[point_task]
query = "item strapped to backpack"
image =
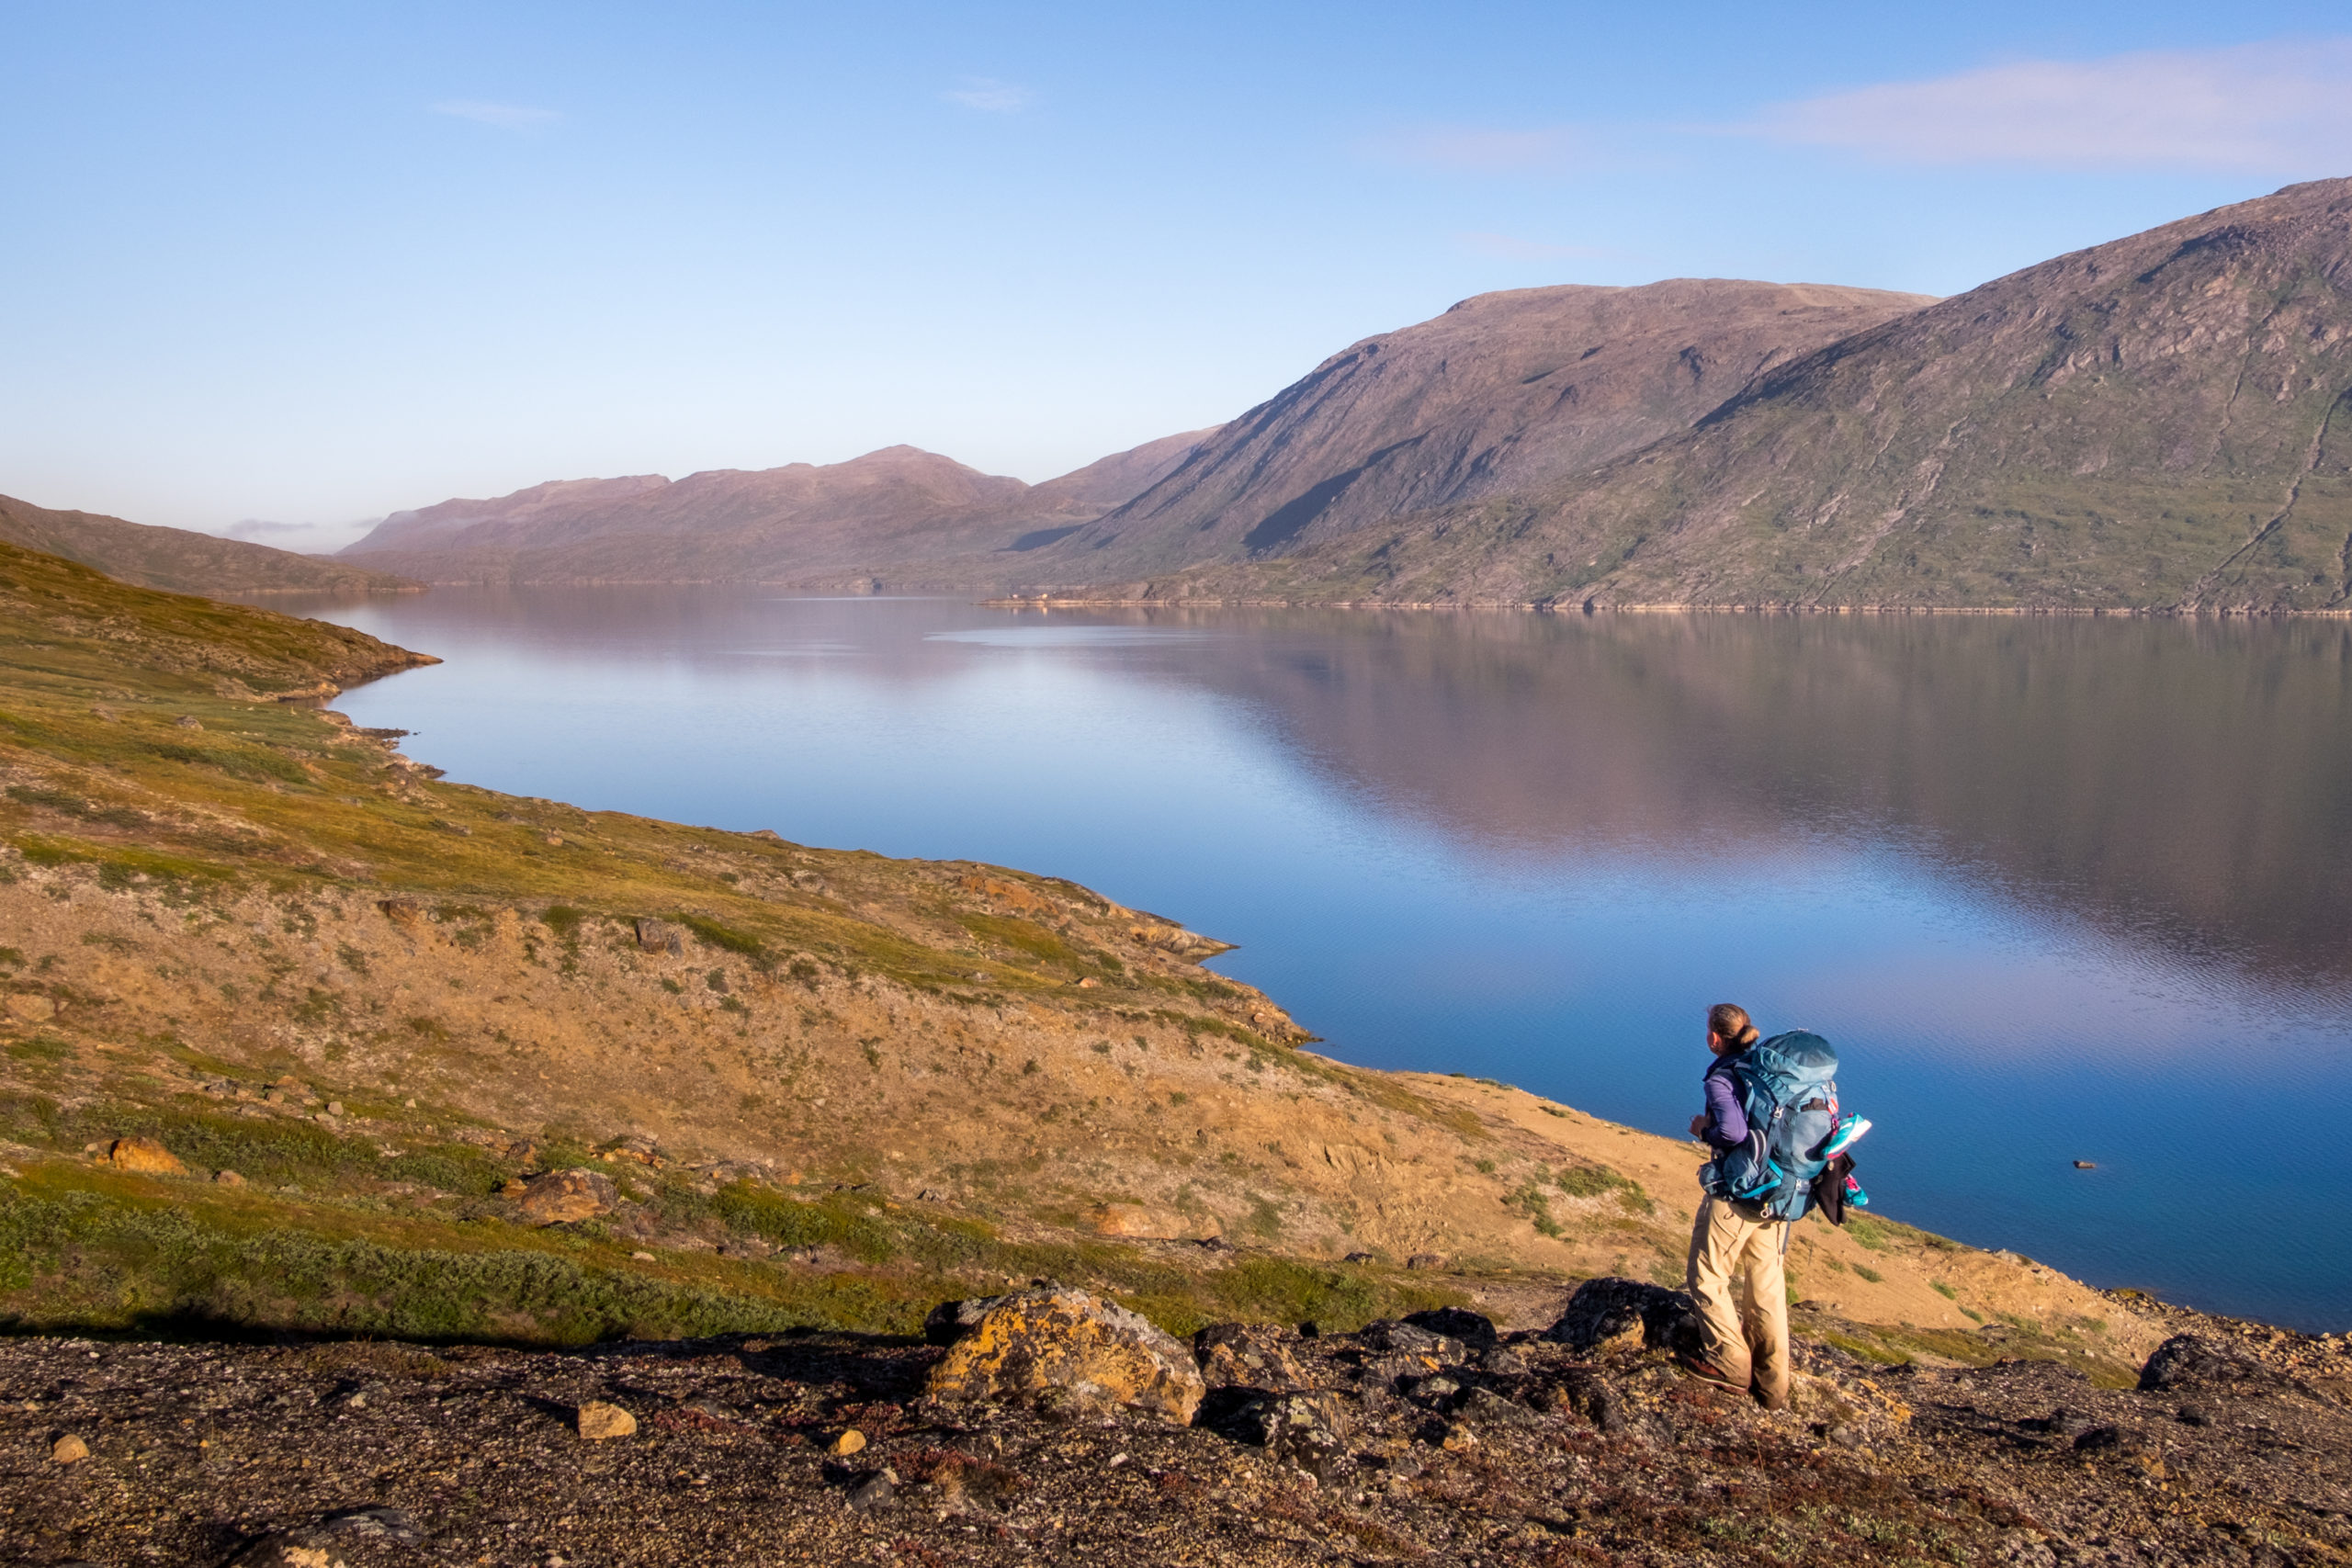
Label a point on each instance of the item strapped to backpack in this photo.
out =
(1788, 1089)
(1835, 1189)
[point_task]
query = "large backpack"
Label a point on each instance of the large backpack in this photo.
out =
(1788, 1089)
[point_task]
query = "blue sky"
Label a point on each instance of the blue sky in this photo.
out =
(311, 263)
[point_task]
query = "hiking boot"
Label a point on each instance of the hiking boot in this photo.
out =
(1701, 1371)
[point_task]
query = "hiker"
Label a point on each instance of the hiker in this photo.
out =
(1736, 1276)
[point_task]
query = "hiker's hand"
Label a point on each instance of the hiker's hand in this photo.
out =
(1699, 1125)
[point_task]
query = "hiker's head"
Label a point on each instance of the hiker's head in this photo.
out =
(1728, 1028)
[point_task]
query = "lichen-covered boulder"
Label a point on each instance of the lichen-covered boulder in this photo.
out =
(562, 1196)
(144, 1155)
(1064, 1341)
(1610, 1313)
(950, 1321)
(1246, 1355)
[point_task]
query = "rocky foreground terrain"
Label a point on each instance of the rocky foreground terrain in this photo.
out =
(1075, 1433)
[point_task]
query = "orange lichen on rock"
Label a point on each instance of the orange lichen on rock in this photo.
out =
(1057, 1340)
(144, 1155)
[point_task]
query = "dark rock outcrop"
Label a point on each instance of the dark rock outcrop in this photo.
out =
(1248, 1355)
(1620, 1315)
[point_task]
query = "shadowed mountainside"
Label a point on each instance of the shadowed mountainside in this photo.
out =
(895, 510)
(2164, 421)
(181, 559)
(1503, 394)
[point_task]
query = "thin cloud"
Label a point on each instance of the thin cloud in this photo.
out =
(255, 527)
(506, 117)
(989, 94)
(1510, 247)
(2269, 108)
(1481, 150)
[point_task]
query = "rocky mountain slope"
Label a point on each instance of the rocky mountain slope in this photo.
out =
(896, 512)
(295, 1034)
(2164, 421)
(181, 559)
(1503, 394)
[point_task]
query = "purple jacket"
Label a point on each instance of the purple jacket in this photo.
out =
(1727, 1122)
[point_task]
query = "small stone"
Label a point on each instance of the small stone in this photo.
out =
(376, 1521)
(1425, 1261)
(874, 1492)
(2085, 1164)
(188, 721)
(1485, 1404)
(641, 1257)
(598, 1421)
(284, 1552)
(851, 1441)
(334, 1107)
(659, 936)
(145, 1156)
(1359, 1258)
(1474, 1330)
(1458, 1439)
(228, 1178)
(69, 1449)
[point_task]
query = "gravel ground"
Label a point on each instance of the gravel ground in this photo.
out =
(1389, 1448)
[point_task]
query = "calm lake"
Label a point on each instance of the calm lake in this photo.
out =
(2058, 890)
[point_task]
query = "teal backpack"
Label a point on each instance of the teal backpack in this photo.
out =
(1788, 1089)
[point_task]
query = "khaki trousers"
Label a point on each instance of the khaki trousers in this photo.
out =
(1743, 1299)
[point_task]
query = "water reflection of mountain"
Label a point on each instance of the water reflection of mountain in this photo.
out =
(2183, 783)
(2189, 782)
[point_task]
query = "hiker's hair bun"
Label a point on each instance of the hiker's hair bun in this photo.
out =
(1729, 1020)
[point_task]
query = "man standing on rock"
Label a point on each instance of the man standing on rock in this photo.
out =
(1735, 1275)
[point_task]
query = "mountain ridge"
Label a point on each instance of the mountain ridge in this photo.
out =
(799, 523)
(181, 559)
(2162, 424)
(1499, 392)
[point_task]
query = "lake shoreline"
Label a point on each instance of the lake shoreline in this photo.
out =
(1550, 607)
